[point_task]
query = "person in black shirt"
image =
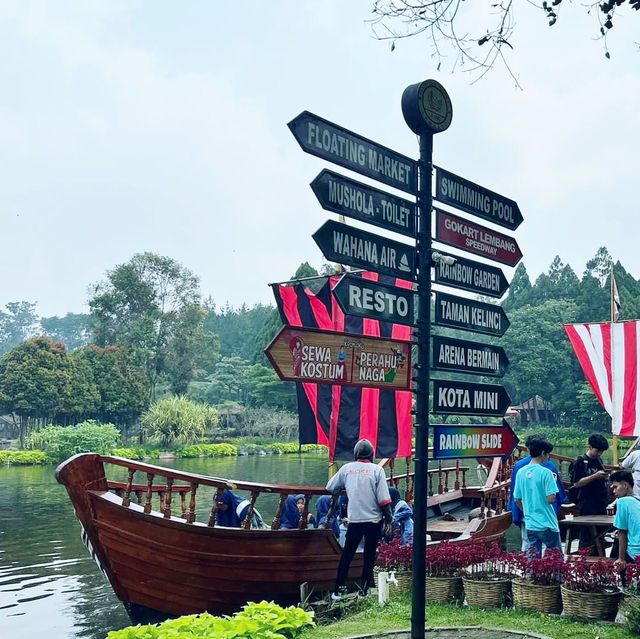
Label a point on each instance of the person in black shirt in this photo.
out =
(590, 478)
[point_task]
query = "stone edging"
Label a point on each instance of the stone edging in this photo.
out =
(406, 634)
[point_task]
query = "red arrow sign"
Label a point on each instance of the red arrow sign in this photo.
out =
(323, 357)
(473, 238)
(454, 442)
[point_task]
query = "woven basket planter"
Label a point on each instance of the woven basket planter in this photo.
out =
(444, 589)
(494, 593)
(530, 596)
(590, 605)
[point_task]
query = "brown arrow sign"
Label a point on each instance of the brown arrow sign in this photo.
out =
(323, 357)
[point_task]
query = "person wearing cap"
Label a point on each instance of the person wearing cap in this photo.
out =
(369, 504)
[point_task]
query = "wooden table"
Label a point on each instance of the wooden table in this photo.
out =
(592, 522)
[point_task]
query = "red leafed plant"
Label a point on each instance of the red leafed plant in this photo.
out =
(394, 555)
(631, 577)
(447, 559)
(542, 571)
(488, 562)
(591, 576)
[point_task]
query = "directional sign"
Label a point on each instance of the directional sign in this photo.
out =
(472, 198)
(455, 442)
(462, 356)
(308, 355)
(456, 231)
(364, 298)
(355, 247)
(470, 315)
(471, 276)
(331, 142)
(464, 398)
(347, 197)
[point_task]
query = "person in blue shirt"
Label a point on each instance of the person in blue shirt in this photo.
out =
(561, 496)
(627, 519)
(323, 505)
(402, 518)
(534, 493)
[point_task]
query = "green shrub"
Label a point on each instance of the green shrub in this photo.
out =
(61, 442)
(631, 609)
(262, 620)
(23, 457)
(131, 452)
(207, 450)
(558, 435)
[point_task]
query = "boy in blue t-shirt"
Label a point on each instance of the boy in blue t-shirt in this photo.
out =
(534, 493)
(627, 519)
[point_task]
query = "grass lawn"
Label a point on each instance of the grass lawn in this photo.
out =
(396, 615)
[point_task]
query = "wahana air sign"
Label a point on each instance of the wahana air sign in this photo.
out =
(309, 355)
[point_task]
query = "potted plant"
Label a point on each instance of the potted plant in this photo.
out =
(395, 557)
(487, 577)
(445, 564)
(538, 587)
(591, 589)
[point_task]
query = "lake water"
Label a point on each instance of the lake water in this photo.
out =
(48, 583)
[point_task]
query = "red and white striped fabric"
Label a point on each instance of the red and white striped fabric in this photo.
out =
(608, 354)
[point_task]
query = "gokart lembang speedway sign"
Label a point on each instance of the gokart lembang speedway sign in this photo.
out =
(323, 357)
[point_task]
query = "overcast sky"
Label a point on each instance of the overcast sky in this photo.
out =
(161, 126)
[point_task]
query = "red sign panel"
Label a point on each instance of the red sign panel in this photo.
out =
(473, 238)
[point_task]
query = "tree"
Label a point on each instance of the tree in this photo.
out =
(266, 389)
(479, 38)
(73, 329)
(150, 305)
(17, 324)
(179, 419)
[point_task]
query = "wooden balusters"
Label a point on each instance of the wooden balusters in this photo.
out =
(439, 477)
(126, 500)
(139, 497)
(217, 498)
(446, 480)
(147, 505)
(464, 477)
(246, 524)
(334, 502)
(183, 504)
(166, 511)
(456, 484)
(191, 515)
(275, 524)
(430, 489)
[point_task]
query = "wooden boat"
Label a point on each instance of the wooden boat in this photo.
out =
(163, 560)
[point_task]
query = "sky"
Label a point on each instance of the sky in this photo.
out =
(130, 126)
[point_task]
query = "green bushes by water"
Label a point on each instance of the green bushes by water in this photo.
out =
(573, 436)
(262, 620)
(23, 457)
(207, 450)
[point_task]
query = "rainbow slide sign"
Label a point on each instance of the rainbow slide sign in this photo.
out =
(455, 442)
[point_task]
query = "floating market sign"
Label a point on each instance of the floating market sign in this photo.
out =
(463, 356)
(456, 191)
(471, 276)
(471, 237)
(470, 315)
(364, 298)
(362, 202)
(459, 441)
(308, 355)
(355, 247)
(338, 145)
(464, 398)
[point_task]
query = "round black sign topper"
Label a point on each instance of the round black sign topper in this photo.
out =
(426, 107)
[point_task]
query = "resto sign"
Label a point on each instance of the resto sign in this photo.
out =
(456, 191)
(473, 440)
(364, 298)
(333, 143)
(471, 276)
(464, 398)
(456, 231)
(323, 357)
(470, 315)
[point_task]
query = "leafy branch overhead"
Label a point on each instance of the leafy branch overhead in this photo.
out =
(478, 36)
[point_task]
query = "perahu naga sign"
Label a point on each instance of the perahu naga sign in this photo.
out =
(362, 202)
(473, 440)
(355, 247)
(470, 315)
(333, 143)
(464, 398)
(308, 355)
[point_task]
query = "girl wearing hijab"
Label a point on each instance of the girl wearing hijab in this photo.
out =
(322, 510)
(311, 520)
(232, 510)
(402, 517)
(290, 517)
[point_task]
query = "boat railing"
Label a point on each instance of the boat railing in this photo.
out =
(187, 491)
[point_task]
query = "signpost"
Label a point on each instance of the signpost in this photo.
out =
(323, 357)
(464, 398)
(355, 247)
(472, 198)
(471, 276)
(459, 441)
(462, 356)
(470, 315)
(331, 142)
(364, 298)
(456, 231)
(362, 202)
